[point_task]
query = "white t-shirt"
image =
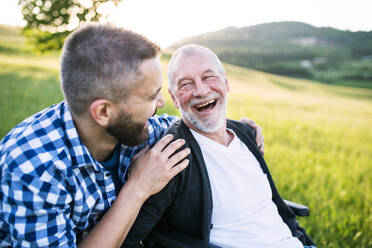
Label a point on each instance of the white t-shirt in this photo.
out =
(244, 214)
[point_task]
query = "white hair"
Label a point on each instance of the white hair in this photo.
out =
(188, 50)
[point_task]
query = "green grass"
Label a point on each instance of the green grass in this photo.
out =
(27, 87)
(318, 137)
(319, 148)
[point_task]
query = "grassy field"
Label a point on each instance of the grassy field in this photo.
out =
(318, 137)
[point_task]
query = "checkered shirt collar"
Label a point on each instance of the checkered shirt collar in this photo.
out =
(80, 155)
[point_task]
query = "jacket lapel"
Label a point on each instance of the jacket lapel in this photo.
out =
(198, 160)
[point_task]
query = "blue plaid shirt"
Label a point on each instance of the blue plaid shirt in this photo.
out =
(52, 190)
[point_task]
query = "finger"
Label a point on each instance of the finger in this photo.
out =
(179, 167)
(163, 142)
(253, 125)
(258, 133)
(262, 149)
(141, 152)
(172, 147)
(249, 122)
(260, 141)
(178, 157)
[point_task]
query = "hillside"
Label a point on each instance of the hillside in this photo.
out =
(318, 137)
(295, 49)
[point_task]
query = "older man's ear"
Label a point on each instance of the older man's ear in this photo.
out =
(227, 84)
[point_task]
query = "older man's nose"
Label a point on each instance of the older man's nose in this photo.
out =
(201, 89)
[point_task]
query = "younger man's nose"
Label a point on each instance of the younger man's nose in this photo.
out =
(160, 101)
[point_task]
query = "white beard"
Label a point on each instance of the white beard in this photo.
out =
(210, 124)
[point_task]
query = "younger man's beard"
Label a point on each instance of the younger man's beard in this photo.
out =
(127, 131)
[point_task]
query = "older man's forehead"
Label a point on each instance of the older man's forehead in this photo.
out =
(198, 62)
(196, 54)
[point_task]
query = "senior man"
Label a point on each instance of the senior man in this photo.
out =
(62, 169)
(226, 195)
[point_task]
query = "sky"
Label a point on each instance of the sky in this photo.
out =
(168, 21)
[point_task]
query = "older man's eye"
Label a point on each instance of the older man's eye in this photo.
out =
(182, 85)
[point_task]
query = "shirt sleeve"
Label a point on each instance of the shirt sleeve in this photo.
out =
(36, 211)
(158, 126)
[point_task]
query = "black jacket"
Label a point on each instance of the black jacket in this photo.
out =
(185, 204)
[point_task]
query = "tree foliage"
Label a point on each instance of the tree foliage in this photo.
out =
(48, 22)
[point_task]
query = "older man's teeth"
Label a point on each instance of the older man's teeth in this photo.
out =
(205, 104)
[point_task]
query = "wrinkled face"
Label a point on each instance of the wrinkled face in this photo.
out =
(130, 124)
(200, 92)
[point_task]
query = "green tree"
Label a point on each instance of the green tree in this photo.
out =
(50, 21)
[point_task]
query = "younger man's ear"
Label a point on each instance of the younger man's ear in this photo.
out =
(173, 99)
(101, 111)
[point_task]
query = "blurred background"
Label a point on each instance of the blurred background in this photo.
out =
(301, 69)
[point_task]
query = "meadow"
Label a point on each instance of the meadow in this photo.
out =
(318, 138)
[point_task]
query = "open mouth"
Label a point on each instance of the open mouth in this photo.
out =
(206, 105)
